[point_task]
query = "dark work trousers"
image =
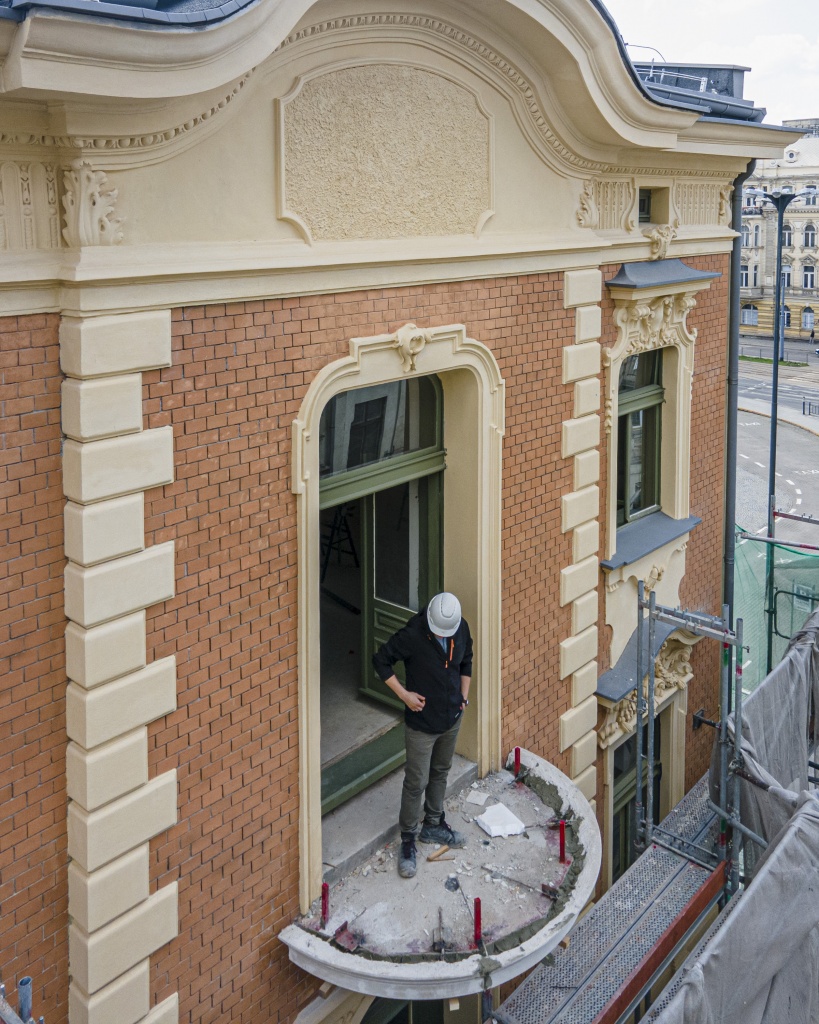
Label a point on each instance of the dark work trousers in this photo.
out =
(429, 758)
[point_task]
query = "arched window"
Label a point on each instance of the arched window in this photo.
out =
(755, 275)
(810, 237)
(808, 275)
(746, 235)
(749, 315)
(787, 234)
(786, 316)
(807, 318)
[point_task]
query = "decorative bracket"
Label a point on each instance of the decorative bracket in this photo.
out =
(90, 205)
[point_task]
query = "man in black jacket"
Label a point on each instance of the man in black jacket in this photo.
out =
(436, 648)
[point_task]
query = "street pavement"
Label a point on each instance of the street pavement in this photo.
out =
(795, 383)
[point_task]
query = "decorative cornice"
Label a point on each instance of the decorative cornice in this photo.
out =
(124, 143)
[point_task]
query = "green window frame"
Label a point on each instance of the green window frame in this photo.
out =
(640, 399)
(379, 474)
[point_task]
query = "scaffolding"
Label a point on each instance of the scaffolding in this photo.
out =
(763, 767)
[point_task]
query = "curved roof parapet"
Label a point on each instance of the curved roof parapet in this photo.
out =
(415, 938)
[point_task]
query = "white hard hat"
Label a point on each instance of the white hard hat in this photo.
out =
(444, 614)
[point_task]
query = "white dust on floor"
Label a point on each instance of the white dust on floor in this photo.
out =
(392, 917)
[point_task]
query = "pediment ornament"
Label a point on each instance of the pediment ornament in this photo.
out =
(672, 672)
(410, 341)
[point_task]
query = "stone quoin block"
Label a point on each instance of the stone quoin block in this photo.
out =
(93, 409)
(97, 837)
(107, 529)
(586, 469)
(584, 683)
(97, 897)
(580, 361)
(579, 507)
(98, 715)
(95, 470)
(579, 435)
(583, 753)
(586, 782)
(586, 541)
(576, 651)
(95, 777)
(586, 396)
(576, 722)
(582, 287)
(584, 612)
(123, 343)
(577, 580)
(93, 656)
(101, 592)
(588, 324)
(96, 959)
(126, 1000)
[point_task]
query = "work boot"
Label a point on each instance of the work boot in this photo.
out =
(406, 858)
(443, 834)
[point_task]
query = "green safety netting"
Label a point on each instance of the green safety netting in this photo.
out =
(796, 590)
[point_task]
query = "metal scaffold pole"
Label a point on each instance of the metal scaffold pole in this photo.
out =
(649, 613)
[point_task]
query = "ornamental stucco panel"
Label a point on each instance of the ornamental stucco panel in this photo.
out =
(384, 151)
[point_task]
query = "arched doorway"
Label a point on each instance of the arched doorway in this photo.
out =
(473, 399)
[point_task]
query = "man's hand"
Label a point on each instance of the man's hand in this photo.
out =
(414, 701)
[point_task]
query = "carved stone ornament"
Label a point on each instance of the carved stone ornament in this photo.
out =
(652, 323)
(660, 238)
(672, 672)
(90, 204)
(587, 215)
(654, 577)
(725, 204)
(410, 340)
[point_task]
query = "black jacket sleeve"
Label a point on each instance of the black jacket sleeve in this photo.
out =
(397, 648)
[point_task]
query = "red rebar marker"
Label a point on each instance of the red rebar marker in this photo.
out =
(517, 761)
(325, 903)
(478, 928)
(562, 842)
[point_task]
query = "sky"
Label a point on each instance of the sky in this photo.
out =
(784, 57)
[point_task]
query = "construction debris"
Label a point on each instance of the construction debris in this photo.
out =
(498, 822)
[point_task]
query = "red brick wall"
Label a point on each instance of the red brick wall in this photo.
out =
(239, 374)
(701, 588)
(33, 858)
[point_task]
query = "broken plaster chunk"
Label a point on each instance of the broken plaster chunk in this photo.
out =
(478, 798)
(498, 821)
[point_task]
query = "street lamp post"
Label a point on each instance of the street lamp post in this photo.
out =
(781, 201)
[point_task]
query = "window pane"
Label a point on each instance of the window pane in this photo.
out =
(638, 451)
(640, 371)
(396, 513)
(376, 423)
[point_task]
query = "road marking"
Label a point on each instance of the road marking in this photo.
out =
(744, 456)
(798, 501)
(791, 483)
(779, 474)
(791, 511)
(750, 661)
(762, 529)
(798, 491)
(759, 464)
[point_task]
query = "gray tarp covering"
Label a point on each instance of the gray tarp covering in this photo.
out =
(762, 965)
(776, 722)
